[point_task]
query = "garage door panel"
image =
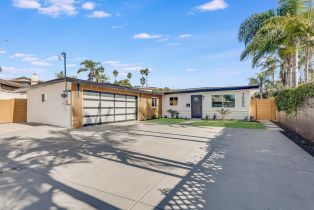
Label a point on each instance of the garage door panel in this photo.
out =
(91, 120)
(91, 103)
(131, 98)
(105, 119)
(131, 110)
(120, 118)
(107, 103)
(131, 117)
(130, 104)
(107, 96)
(105, 111)
(120, 97)
(120, 104)
(91, 111)
(91, 95)
(120, 111)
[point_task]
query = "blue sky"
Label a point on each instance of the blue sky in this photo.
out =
(190, 43)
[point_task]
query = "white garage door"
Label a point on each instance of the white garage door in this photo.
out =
(100, 107)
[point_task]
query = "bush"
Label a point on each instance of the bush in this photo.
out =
(289, 100)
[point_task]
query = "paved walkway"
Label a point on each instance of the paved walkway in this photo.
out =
(270, 125)
(141, 166)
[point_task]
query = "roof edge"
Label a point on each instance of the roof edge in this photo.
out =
(213, 89)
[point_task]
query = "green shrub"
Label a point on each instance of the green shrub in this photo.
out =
(289, 100)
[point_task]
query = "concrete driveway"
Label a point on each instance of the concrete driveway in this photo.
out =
(143, 166)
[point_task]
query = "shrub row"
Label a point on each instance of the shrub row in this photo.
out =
(289, 100)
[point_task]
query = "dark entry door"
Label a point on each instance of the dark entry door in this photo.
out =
(196, 106)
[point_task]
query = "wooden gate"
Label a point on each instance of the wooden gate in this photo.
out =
(13, 110)
(263, 109)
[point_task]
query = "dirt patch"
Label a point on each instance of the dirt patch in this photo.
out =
(302, 142)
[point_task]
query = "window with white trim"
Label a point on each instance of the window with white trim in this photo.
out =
(225, 100)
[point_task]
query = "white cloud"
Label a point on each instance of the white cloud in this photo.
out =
(53, 58)
(183, 36)
(26, 4)
(147, 36)
(40, 63)
(30, 59)
(18, 71)
(20, 55)
(212, 5)
(48, 7)
(88, 5)
(99, 14)
(3, 51)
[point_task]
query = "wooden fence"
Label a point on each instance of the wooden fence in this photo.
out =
(13, 110)
(263, 109)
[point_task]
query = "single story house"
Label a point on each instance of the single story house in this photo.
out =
(75, 103)
(202, 102)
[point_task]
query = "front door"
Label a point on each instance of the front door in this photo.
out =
(196, 106)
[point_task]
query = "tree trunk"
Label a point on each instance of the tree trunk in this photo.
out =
(296, 67)
(261, 91)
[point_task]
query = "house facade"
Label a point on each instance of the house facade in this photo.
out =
(202, 102)
(75, 103)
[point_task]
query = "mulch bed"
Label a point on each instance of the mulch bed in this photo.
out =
(302, 142)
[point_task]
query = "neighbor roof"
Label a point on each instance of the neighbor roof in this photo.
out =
(107, 85)
(210, 89)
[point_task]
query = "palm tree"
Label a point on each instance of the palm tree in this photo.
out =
(100, 75)
(90, 66)
(143, 81)
(129, 76)
(146, 73)
(59, 75)
(261, 79)
(115, 74)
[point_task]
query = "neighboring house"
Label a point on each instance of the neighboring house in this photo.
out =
(88, 103)
(202, 102)
(17, 87)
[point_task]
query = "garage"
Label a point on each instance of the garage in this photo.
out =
(103, 107)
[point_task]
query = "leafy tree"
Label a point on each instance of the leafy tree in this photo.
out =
(124, 83)
(100, 75)
(90, 66)
(223, 113)
(115, 74)
(143, 81)
(261, 80)
(59, 75)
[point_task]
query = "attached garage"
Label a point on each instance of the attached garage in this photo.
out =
(89, 103)
(102, 107)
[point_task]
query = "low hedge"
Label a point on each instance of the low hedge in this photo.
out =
(289, 100)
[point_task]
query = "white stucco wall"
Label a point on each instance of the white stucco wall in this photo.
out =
(238, 112)
(54, 111)
(9, 95)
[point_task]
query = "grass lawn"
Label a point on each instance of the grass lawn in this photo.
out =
(228, 124)
(167, 121)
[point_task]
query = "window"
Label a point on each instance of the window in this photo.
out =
(216, 100)
(154, 102)
(43, 97)
(227, 100)
(173, 101)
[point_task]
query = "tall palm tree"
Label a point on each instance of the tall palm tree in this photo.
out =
(261, 80)
(90, 66)
(269, 66)
(100, 75)
(143, 81)
(146, 73)
(59, 75)
(115, 74)
(129, 76)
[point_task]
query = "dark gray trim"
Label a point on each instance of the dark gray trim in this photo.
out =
(212, 89)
